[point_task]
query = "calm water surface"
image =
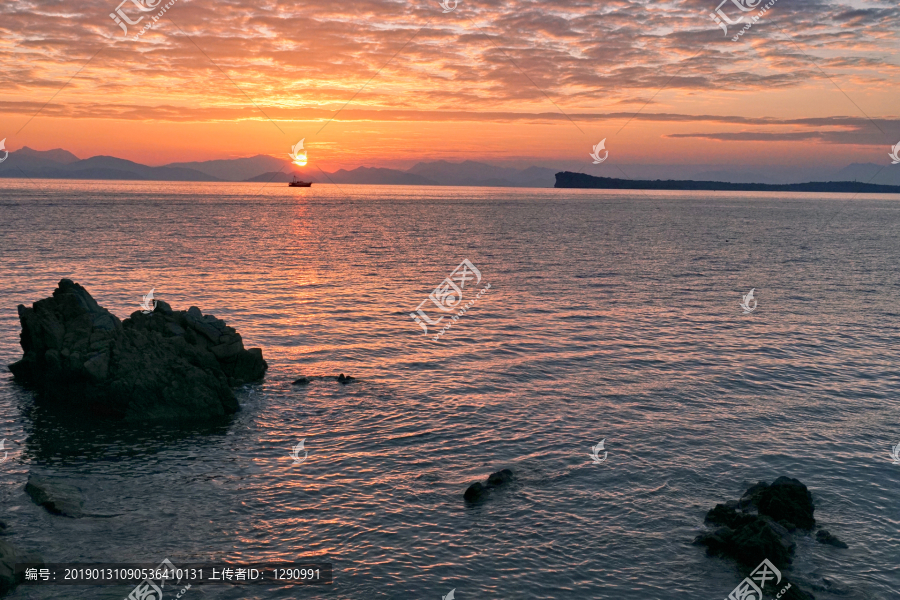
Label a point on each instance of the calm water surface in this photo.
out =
(610, 315)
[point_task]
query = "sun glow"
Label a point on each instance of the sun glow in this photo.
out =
(298, 154)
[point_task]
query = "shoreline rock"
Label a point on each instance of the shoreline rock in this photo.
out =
(165, 365)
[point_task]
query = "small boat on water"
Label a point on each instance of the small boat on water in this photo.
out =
(297, 183)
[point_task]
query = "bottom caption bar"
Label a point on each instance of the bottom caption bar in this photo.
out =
(152, 578)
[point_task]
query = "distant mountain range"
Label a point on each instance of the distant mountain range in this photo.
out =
(62, 164)
(568, 179)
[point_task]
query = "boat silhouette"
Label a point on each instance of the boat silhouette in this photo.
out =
(297, 183)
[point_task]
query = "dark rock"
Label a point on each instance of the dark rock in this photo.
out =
(500, 478)
(787, 499)
(9, 556)
(825, 537)
(166, 365)
(345, 379)
(759, 525)
(475, 492)
(58, 498)
(748, 502)
(162, 307)
(301, 381)
(725, 515)
(749, 543)
(478, 491)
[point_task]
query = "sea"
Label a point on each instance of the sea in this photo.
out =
(610, 316)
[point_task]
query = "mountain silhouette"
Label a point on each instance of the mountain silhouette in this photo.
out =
(567, 179)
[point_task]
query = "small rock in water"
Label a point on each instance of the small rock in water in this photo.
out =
(475, 492)
(345, 379)
(478, 491)
(301, 381)
(58, 498)
(825, 537)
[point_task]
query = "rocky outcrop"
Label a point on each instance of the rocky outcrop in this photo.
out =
(759, 525)
(57, 497)
(478, 491)
(165, 365)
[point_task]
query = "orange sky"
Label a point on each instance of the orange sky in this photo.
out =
(519, 83)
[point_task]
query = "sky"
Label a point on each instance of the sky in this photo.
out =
(390, 83)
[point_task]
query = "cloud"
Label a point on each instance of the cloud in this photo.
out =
(506, 62)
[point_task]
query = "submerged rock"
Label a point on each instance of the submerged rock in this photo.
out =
(301, 381)
(478, 491)
(345, 379)
(165, 365)
(823, 536)
(58, 498)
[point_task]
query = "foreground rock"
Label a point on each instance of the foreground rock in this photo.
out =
(9, 556)
(758, 526)
(478, 491)
(165, 365)
(58, 498)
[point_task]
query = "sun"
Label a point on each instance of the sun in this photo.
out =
(300, 159)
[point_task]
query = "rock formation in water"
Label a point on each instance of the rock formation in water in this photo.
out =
(760, 525)
(478, 491)
(165, 365)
